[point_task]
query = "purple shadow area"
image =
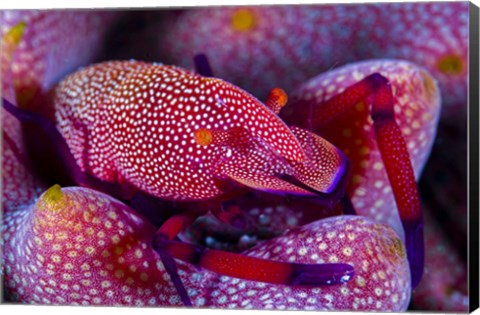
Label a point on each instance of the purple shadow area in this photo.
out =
(202, 65)
(347, 205)
(415, 247)
(49, 128)
(321, 274)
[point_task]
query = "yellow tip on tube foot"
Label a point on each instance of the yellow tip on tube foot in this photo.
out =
(15, 34)
(243, 20)
(53, 197)
(451, 65)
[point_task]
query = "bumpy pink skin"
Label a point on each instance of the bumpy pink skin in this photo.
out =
(445, 279)
(287, 45)
(85, 248)
(54, 43)
(278, 51)
(417, 110)
(440, 30)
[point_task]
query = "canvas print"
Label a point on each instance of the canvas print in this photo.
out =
(300, 157)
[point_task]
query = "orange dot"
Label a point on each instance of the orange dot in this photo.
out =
(203, 136)
(243, 20)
